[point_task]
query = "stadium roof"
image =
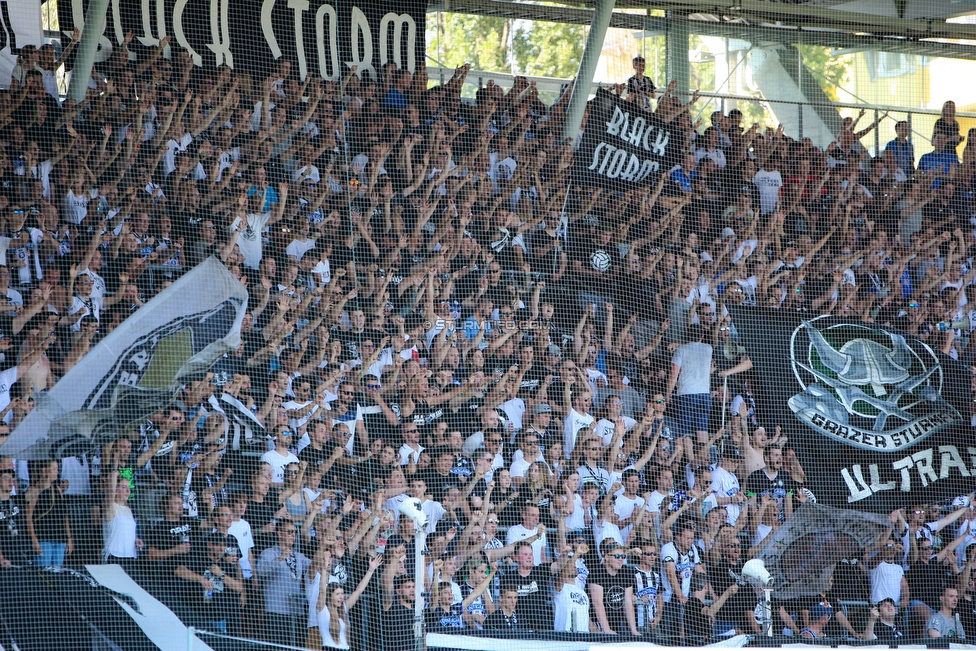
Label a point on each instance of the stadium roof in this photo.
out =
(920, 27)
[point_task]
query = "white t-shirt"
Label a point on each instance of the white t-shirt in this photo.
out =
(406, 453)
(434, 512)
(89, 308)
(717, 157)
(299, 249)
(769, 184)
(325, 620)
(520, 465)
(241, 530)
(172, 147)
(249, 241)
(120, 533)
(606, 428)
(518, 532)
(885, 581)
(98, 288)
(726, 484)
(76, 206)
(278, 463)
(574, 423)
(571, 610)
(7, 379)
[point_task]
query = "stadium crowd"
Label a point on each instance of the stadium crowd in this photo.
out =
(438, 311)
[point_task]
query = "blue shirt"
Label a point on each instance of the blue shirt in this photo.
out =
(270, 198)
(395, 99)
(942, 161)
(904, 153)
(683, 179)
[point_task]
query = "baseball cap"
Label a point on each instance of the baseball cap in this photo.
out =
(542, 408)
(554, 350)
(819, 611)
(732, 453)
(727, 232)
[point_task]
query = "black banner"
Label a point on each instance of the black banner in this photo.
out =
(318, 38)
(879, 418)
(623, 146)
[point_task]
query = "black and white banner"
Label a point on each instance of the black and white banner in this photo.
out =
(623, 146)
(20, 25)
(137, 369)
(324, 39)
(878, 417)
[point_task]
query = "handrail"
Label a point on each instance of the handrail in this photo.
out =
(742, 98)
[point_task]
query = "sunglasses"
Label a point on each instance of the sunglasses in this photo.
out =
(292, 473)
(661, 401)
(618, 556)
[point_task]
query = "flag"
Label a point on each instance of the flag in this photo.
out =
(802, 553)
(623, 146)
(879, 419)
(138, 368)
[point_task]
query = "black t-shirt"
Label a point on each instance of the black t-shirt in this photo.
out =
(425, 415)
(925, 582)
(397, 628)
(595, 257)
(314, 457)
(352, 341)
(165, 536)
(758, 484)
(614, 588)
(697, 625)
(533, 610)
(967, 617)
(548, 263)
(499, 620)
(886, 633)
(13, 529)
(445, 621)
(259, 515)
(217, 604)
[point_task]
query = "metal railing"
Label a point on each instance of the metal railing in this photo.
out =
(920, 120)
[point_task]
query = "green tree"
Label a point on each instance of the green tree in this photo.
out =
(545, 49)
(481, 41)
(501, 45)
(830, 71)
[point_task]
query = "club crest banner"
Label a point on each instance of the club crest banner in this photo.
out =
(875, 414)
